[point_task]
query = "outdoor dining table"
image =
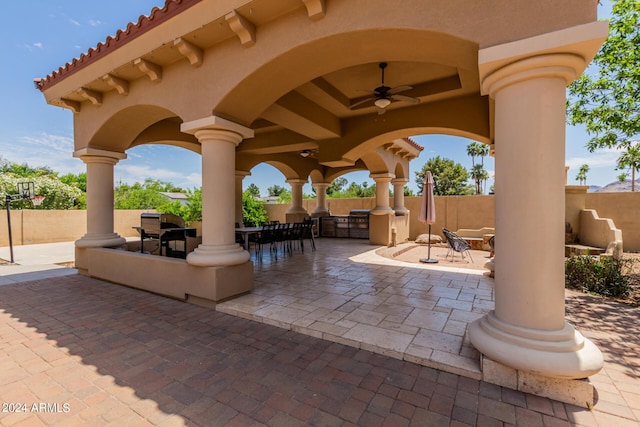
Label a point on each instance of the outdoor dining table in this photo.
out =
(246, 231)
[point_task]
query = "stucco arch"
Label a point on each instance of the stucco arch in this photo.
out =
(471, 121)
(311, 59)
(400, 171)
(136, 125)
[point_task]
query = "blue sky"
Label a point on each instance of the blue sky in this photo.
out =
(41, 35)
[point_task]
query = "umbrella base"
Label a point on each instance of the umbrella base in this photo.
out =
(428, 260)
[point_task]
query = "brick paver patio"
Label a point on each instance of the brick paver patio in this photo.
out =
(86, 352)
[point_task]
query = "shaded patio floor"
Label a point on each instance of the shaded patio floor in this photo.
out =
(347, 293)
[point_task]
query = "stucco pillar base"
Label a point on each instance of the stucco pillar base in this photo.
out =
(208, 255)
(296, 210)
(563, 353)
(401, 210)
(579, 392)
(320, 212)
(105, 240)
(382, 210)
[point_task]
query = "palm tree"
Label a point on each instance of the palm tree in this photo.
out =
(582, 174)
(630, 159)
(478, 174)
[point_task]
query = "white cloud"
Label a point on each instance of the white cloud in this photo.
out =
(74, 22)
(37, 44)
(54, 151)
(607, 157)
(132, 173)
(95, 22)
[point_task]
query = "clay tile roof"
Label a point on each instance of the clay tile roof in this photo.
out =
(413, 143)
(122, 37)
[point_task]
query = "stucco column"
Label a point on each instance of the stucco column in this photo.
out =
(296, 196)
(100, 165)
(218, 138)
(398, 195)
(240, 175)
(382, 193)
(321, 199)
(527, 330)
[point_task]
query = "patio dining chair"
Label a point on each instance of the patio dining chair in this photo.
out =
(455, 244)
(307, 233)
(266, 237)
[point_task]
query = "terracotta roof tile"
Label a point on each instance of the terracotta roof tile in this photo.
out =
(413, 143)
(122, 37)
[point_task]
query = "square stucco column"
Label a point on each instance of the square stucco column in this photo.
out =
(527, 330)
(218, 138)
(100, 206)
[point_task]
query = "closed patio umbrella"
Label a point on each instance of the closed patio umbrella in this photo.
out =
(428, 212)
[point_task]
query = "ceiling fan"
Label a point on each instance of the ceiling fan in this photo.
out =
(384, 95)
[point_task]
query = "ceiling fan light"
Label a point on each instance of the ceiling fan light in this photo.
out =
(382, 102)
(305, 153)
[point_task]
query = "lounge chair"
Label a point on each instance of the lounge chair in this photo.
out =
(456, 244)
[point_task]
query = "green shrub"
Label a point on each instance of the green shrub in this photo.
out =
(599, 275)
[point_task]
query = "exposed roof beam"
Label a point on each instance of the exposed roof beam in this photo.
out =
(316, 9)
(276, 142)
(296, 113)
(243, 28)
(91, 95)
(193, 53)
(153, 71)
(121, 85)
(69, 104)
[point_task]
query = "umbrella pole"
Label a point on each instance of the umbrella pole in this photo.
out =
(428, 259)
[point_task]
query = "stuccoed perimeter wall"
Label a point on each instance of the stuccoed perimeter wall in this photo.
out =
(452, 212)
(49, 226)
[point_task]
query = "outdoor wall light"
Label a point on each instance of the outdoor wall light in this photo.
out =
(382, 102)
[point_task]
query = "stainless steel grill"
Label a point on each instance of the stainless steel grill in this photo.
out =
(355, 225)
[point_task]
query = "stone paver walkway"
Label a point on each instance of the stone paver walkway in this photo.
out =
(79, 351)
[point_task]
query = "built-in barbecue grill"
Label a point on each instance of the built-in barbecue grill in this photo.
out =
(169, 230)
(355, 225)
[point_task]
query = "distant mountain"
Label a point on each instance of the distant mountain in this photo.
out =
(614, 187)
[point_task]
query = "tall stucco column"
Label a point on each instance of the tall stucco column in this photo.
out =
(382, 193)
(321, 199)
(296, 196)
(100, 202)
(398, 195)
(218, 138)
(527, 330)
(240, 175)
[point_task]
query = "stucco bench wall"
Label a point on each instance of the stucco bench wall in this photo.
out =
(475, 237)
(599, 232)
(169, 276)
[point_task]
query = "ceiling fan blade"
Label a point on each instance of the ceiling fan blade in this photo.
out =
(400, 89)
(405, 98)
(364, 101)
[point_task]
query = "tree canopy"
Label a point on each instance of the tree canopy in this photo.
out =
(606, 99)
(450, 177)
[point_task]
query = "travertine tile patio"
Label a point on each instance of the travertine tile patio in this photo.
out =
(348, 294)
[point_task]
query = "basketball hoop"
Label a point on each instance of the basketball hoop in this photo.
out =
(37, 200)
